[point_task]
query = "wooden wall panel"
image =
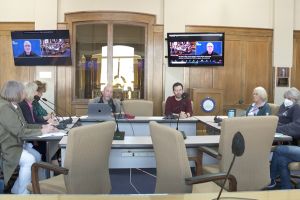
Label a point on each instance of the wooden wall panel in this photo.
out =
(295, 73)
(8, 70)
(157, 82)
(248, 64)
(230, 77)
(201, 77)
(257, 74)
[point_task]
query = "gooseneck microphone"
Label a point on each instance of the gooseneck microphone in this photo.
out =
(237, 148)
(61, 124)
(184, 96)
(119, 135)
(218, 119)
(68, 121)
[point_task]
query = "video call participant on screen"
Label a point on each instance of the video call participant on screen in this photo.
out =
(12, 128)
(27, 50)
(259, 107)
(178, 105)
(209, 50)
(106, 97)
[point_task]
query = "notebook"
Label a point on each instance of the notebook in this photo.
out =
(99, 111)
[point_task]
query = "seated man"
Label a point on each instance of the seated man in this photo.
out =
(178, 104)
(106, 97)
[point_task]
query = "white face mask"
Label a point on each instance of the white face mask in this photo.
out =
(288, 103)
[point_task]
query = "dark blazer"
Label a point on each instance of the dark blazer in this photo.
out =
(26, 112)
(12, 128)
(289, 121)
(263, 110)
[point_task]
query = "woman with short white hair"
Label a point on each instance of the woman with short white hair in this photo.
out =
(259, 107)
(289, 114)
(12, 128)
(288, 124)
(26, 105)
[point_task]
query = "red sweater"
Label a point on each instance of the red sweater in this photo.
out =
(174, 106)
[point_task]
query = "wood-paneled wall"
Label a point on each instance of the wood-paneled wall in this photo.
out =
(8, 70)
(248, 54)
(248, 64)
(295, 73)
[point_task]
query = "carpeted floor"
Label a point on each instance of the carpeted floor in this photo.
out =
(141, 182)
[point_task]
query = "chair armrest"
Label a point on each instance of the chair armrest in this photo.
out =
(210, 151)
(213, 177)
(35, 177)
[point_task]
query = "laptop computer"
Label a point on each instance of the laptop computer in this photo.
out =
(99, 111)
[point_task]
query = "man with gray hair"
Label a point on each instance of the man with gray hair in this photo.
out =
(209, 50)
(107, 97)
(27, 50)
(289, 114)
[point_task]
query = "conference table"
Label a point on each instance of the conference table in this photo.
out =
(137, 151)
(139, 126)
(213, 128)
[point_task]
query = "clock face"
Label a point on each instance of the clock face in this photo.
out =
(208, 104)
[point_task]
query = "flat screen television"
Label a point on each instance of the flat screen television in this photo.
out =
(195, 49)
(44, 47)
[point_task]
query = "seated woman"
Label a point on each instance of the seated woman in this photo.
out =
(259, 107)
(283, 155)
(31, 118)
(289, 114)
(41, 115)
(12, 128)
(288, 124)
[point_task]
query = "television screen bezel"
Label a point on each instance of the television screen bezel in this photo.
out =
(32, 35)
(170, 64)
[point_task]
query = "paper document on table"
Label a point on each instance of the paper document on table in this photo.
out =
(280, 135)
(54, 134)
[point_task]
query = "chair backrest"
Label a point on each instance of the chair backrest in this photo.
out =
(163, 104)
(172, 165)
(252, 168)
(138, 107)
(274, 108)
(87, 157)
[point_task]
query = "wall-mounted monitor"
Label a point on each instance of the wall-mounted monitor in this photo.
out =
(44, 47)
(195, 49)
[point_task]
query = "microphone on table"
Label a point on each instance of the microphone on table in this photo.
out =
(61, 124)
(237, 148)
(68, 121)
(218, 119)
(119, 135)
(184, 96)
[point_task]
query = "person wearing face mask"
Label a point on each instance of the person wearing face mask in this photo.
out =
(288, 124)
(289, 114)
